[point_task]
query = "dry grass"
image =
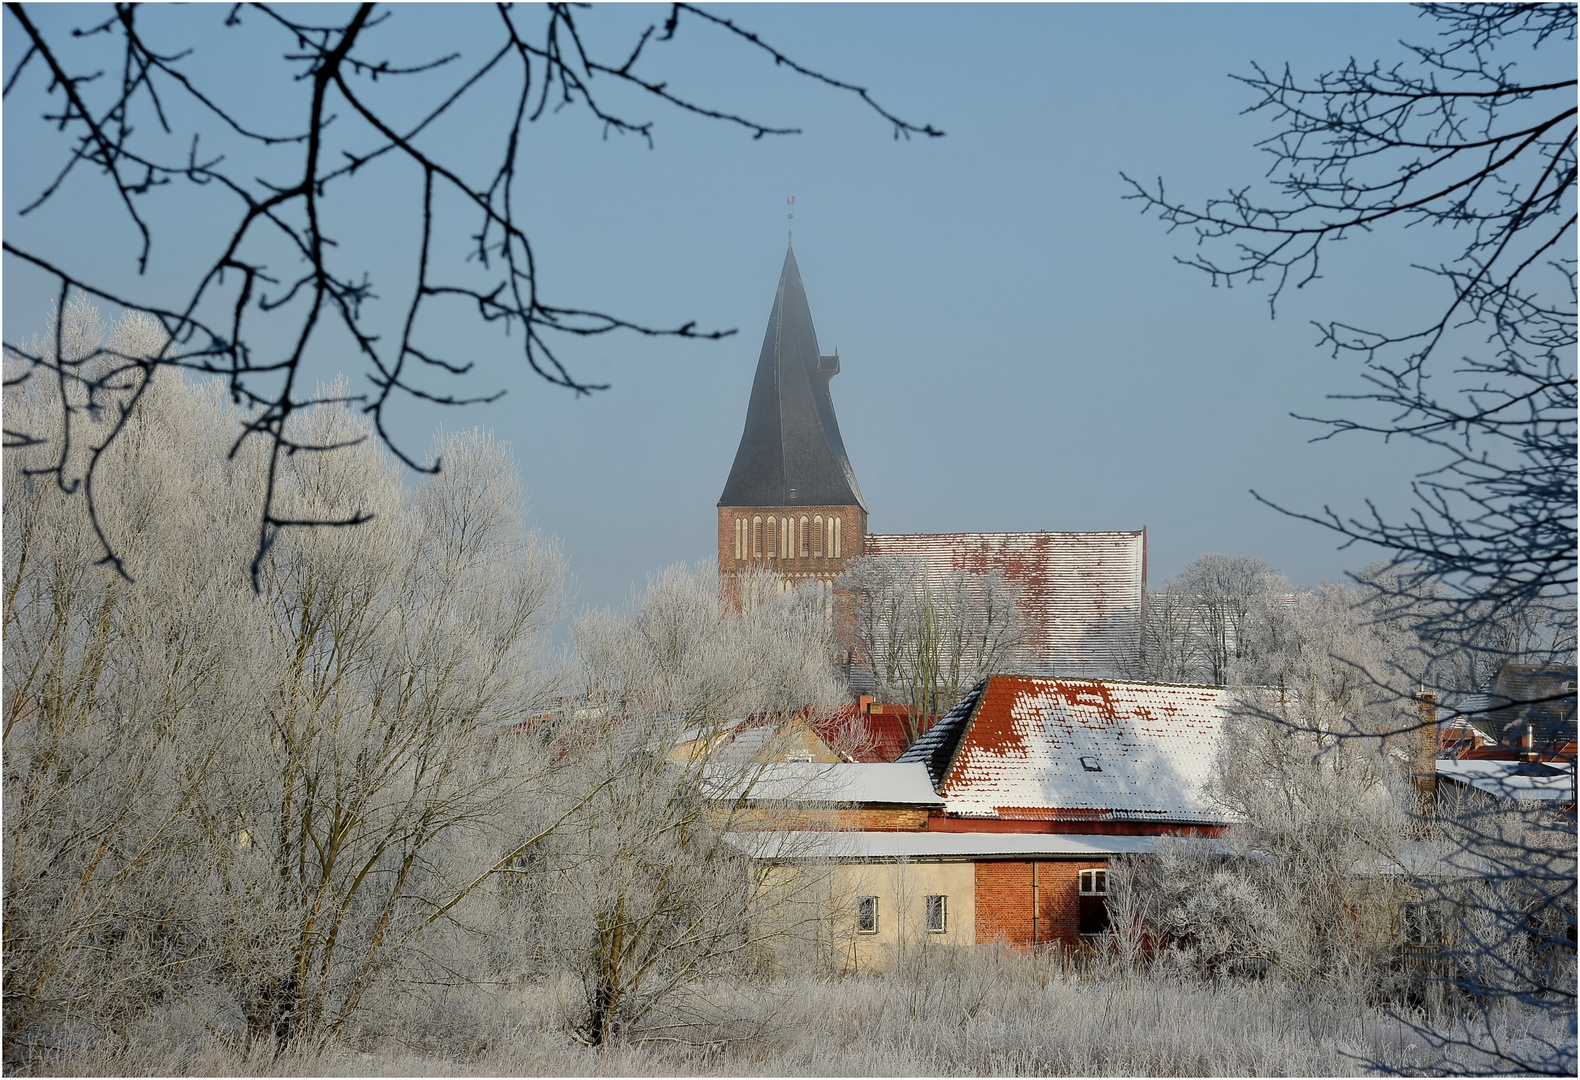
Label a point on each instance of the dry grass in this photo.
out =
(980, 1012)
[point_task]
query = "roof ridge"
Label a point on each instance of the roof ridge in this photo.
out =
(965, 730)
(924, 749)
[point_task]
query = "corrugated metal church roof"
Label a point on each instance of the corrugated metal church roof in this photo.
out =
(1081, 591)
(1062, 748)
(791, 450)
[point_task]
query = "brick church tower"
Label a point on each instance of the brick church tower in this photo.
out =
(791, 506)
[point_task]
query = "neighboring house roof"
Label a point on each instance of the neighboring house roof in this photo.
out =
(791, 450)
(1063, 748)
(954, 847)
(1458, 736)
(1541, 697)
(1081, 592)
(864, 736)
(1430, 859)
(745, 742)
(1523, 781)
(764, 737)
(1467, 710)
(843, 784)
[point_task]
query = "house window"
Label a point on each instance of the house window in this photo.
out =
(1093, 915)
(1094, 882)
(866, 914)
(1424, 926)
(937, 914)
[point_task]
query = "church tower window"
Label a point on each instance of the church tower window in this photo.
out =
(773, 535)
(757, 537)
(805, 537)
(817, 537)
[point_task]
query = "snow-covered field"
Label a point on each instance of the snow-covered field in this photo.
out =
(987, 1012)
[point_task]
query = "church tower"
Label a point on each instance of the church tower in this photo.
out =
(791, 505)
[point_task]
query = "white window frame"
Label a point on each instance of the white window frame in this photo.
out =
(1094, 882)
(866, 905)
(938, 904)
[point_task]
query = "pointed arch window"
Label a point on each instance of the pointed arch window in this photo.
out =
(802, 541)
(773, 547)
(817, 536)
(757, 537)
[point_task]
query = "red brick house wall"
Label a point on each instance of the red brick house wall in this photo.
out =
(1004, 901)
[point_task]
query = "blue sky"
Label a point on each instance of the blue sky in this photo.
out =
(1020, 350)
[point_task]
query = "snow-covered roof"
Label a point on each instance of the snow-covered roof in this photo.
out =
(1081, 591)
(1521, 780)
(1019, 747)
(887, 846)
(877, 784)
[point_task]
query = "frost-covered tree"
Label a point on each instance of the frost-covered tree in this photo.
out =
(251, 813)
(645, 900)
(924, 640)
(1306, 883)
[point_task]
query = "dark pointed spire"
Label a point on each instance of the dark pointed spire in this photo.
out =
(791, 452)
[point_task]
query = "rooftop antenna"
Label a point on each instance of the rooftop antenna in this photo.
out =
(790, 217)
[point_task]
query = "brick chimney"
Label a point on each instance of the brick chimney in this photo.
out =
(1426, 747)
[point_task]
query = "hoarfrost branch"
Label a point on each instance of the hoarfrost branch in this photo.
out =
(129, 131)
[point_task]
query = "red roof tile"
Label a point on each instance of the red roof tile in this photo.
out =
(1022, 747)
(864, 737)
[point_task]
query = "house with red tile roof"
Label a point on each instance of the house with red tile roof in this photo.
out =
(1070, 755)
(1033, 786)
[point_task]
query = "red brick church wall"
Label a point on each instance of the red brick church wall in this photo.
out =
(795, 569)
